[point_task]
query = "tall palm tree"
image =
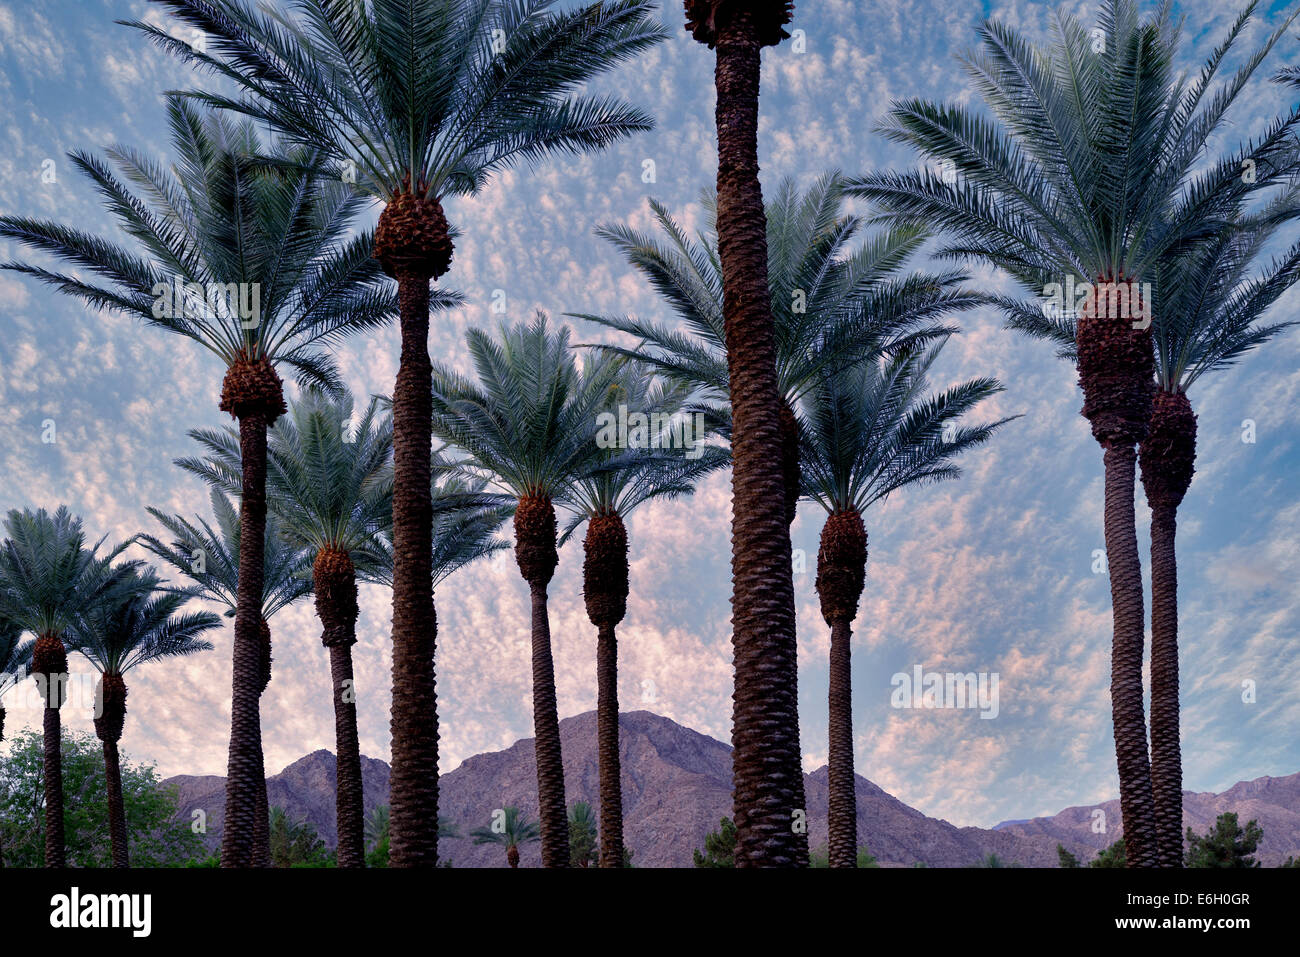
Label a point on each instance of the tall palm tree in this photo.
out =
(1091, 167)
(15, 659)
(515, 830)
(207, 553)
(767, 768)
(1214, 304)
(834, 303)
(140, 623)
(870, 430)
(622, 477)
(331, 492)
(248, 256)
(415, 102)
(528, 426)
(48, 575)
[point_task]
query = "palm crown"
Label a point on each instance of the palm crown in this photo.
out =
(1093, 160)
(142, 622)
(263, 237)
(430, 95)
(870, 430)
(529, 424)
(207, 553)
(832, 304)
(515, 830)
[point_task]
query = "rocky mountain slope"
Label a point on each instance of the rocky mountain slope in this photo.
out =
(677, 786)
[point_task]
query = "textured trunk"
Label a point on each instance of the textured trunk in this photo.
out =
(245, 771)
(767, 767)
(1168, 457)
(262, 811)
(116, 809)
(413, 244)
(50, 669)
(414, 723)
(536, 556)
(791, 474)
(110, 716)
(512, 856)
(841, 574)
(335, 583)
(54, 846)
(1126, 694)
(604, 590)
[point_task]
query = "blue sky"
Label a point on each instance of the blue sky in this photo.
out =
(992, 573)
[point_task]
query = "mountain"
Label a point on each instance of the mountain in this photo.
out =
(677, 786)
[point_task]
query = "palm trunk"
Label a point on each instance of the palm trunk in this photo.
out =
(790, 471)
(55, 855)
(1126, 693)
(335, 581)
(116, 808)
(546, 728)
(262, 825)
(841, 574)
(1168, 456)
(245, 771)
(604, 591)
(50, 669)
(767, 766)
(414, 722)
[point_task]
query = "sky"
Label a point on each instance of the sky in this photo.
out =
(993, 573)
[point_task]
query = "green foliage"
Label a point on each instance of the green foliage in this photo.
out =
(157, 837)
(820, 857)
(1291, 862)
(510, 829)
(992, 860)
(719, 847)
(1114, 856)
(584, 844)
(296, 843)
(1065, 857)
(1228, 845)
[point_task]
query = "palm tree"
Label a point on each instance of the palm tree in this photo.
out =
(248, 256)
(331, 493)
(832, 304)
(415, 102)
(510, 830)
(1214, 301)
(618, 481)
(140, 623)
(528, 426)
(48, 575)
(767, 772)
(1091, 168)
(870, 430)
(582, 835)
(208, 555)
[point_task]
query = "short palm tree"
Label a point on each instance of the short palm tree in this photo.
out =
(207, 553)
(331, 492)
(140, 623)
(247, 256)
(1091, 167)
(767, 769)
(528, 427)
(656, 465)
(47, 576)
(1215, 302)
(870, 430)
(511, 831)
(415, 102)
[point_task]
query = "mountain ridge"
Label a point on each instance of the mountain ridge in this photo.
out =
(677, 786)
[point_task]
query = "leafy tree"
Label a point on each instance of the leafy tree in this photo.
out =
(158, 837)
(1291, 862)
(296, 843)
(719, 847)
(1065, 857)
(511, 831)
(583, 847)
(992, 860)
(1114, 856)
(1227, 845)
